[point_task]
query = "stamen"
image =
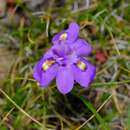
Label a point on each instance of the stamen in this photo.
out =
(47, 64)
(81, 65)
(63, 36)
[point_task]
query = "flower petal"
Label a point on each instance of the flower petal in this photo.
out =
(56, 37)
(81, 47)
(44, 77)
(84, 77)
(73, 31)
(64, 79)
(48, 75)
(72, 34)
(37, 71)
(51, 52)
(37, 68)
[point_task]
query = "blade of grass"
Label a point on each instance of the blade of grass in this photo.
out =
(93, 84)
(20, 109)
(92, 109)
(82, 125)
(128, 119)
(111, 83)
(113, 40)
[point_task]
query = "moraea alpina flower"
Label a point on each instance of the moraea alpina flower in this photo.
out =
(64, 60)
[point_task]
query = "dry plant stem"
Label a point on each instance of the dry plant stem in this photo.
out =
(116, 100)
(48, 17)
(19, 108)
(114, 41)
(6, 116)
(94, 115)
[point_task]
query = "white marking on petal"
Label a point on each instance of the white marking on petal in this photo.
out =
(63, 36)
(46, 64)
(81, 65)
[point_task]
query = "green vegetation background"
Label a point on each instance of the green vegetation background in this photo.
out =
(105, 105)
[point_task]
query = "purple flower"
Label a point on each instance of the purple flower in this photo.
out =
(64, 60)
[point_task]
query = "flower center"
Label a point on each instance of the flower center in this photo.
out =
(46, 64)
(63, 55)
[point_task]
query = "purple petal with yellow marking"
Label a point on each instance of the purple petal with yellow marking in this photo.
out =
(84, 77)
